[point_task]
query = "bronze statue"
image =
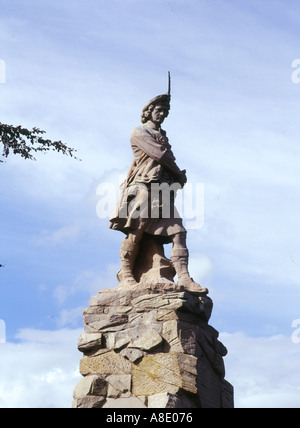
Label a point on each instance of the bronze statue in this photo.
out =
(154, 167)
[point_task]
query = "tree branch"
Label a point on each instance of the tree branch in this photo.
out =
(21, 141)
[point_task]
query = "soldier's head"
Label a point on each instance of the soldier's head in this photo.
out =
(156, 109)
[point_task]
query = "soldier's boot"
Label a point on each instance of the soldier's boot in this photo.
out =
(128, 254)
(180, 260)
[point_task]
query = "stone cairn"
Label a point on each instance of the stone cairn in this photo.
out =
(151, 347)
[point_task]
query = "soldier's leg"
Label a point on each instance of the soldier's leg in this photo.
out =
(128, 253)
(180, 259)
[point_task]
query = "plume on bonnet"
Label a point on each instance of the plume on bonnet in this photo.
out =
(163, 99)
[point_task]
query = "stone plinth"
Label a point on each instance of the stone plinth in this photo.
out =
(151, 347)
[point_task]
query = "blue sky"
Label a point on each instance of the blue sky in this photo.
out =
(82, 70)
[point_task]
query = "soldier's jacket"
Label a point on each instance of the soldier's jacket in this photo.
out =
(154, 160)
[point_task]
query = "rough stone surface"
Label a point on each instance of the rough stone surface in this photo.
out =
(147, 342)
(90, 385)
(87, 342)
(89, 402)
(104, 362)
(119, 385)
(151, 346)
(169, 401)
(124, 403)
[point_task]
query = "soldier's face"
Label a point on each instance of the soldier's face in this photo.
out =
(159, 114)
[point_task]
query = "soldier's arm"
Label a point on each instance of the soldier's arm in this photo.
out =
(156, 151)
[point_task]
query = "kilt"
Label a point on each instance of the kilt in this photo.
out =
(148, 207)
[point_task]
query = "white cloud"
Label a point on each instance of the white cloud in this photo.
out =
(89, 283)
(70, 317)
(82, 283)
(201, 269)
(263, 371)
(41, 371)
(64, 234)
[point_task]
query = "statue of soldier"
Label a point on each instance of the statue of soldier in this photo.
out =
(154, 163)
